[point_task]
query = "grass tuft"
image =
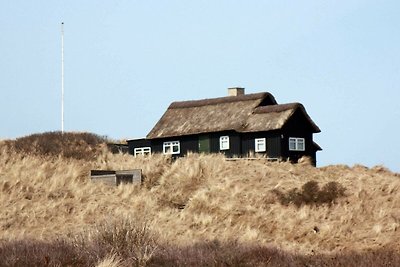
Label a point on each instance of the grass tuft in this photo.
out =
(127, 238)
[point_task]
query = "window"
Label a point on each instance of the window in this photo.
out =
(260, 145)
(224, 143)
(171, 147)
(142, 151)
(296, 144)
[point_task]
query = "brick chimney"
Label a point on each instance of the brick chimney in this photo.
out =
(235, 91)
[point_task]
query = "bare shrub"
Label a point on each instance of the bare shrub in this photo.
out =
(216, 253)
(210, 253)
(69, 145)
(311, 194)
(40, 253)
(126, 238)
(231, 253)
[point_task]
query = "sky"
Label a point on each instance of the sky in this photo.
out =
(127, 60)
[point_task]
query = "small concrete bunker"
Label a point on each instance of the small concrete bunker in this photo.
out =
(115, 178)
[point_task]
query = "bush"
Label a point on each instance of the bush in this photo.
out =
(311, 194)
(68, 145)
(211, 253)
(40, 253)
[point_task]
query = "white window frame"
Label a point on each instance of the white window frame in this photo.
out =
(297, 144)
(260, 142)
(170, 146)
(141, 151)
(224, 142)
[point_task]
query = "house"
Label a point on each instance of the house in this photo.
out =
(237, 125)
(117, 148)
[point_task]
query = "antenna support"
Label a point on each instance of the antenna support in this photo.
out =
(62, 77)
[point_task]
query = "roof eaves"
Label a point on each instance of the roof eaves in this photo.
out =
(317, 147)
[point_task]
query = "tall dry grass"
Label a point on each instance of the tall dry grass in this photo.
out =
(199, 198)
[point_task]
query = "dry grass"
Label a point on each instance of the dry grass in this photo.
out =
(110, 261)
(198, 199)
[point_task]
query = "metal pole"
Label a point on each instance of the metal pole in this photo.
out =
(62, 77)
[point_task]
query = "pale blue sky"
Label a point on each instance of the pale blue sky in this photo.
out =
(125, 61)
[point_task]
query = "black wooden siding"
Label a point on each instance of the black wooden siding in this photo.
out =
(298, 126)
(234, 143)
(273, 143)
(188, 144)
(243, 144)
(132, 144)
(240, 144)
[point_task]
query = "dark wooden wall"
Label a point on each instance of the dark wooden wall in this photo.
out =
(273, 139)
(132, 144)
(234, 143)
(298, 126)
(188, 144)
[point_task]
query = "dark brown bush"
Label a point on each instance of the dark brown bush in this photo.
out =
(69, 145)
(214, 253)
(311, 194)
(40, 253)
(211, 253)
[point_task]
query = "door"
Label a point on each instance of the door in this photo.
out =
(204, 143)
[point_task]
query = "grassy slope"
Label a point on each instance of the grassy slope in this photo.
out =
(48, 196)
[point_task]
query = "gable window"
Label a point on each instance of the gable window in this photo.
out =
(142, 151)
(224, 143)
(171, 148)
(260, 145)
(296, 144)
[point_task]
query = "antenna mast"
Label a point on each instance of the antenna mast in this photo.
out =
(62, 77)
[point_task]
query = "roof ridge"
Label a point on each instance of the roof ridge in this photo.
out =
(218, 100)
(277, 107)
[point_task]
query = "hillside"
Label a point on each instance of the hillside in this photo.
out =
(196, 199)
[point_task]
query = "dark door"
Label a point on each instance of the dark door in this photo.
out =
(274, 147)
(204, 143)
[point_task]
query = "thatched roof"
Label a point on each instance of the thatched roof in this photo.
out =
(274, 117)
(246, 113)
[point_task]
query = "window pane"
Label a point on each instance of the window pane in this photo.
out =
(175, 148)
(170, 147)
(292, 144)
(300, 144)
(296, 144)
(141, 151)
(224, 142)
(260, 145)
